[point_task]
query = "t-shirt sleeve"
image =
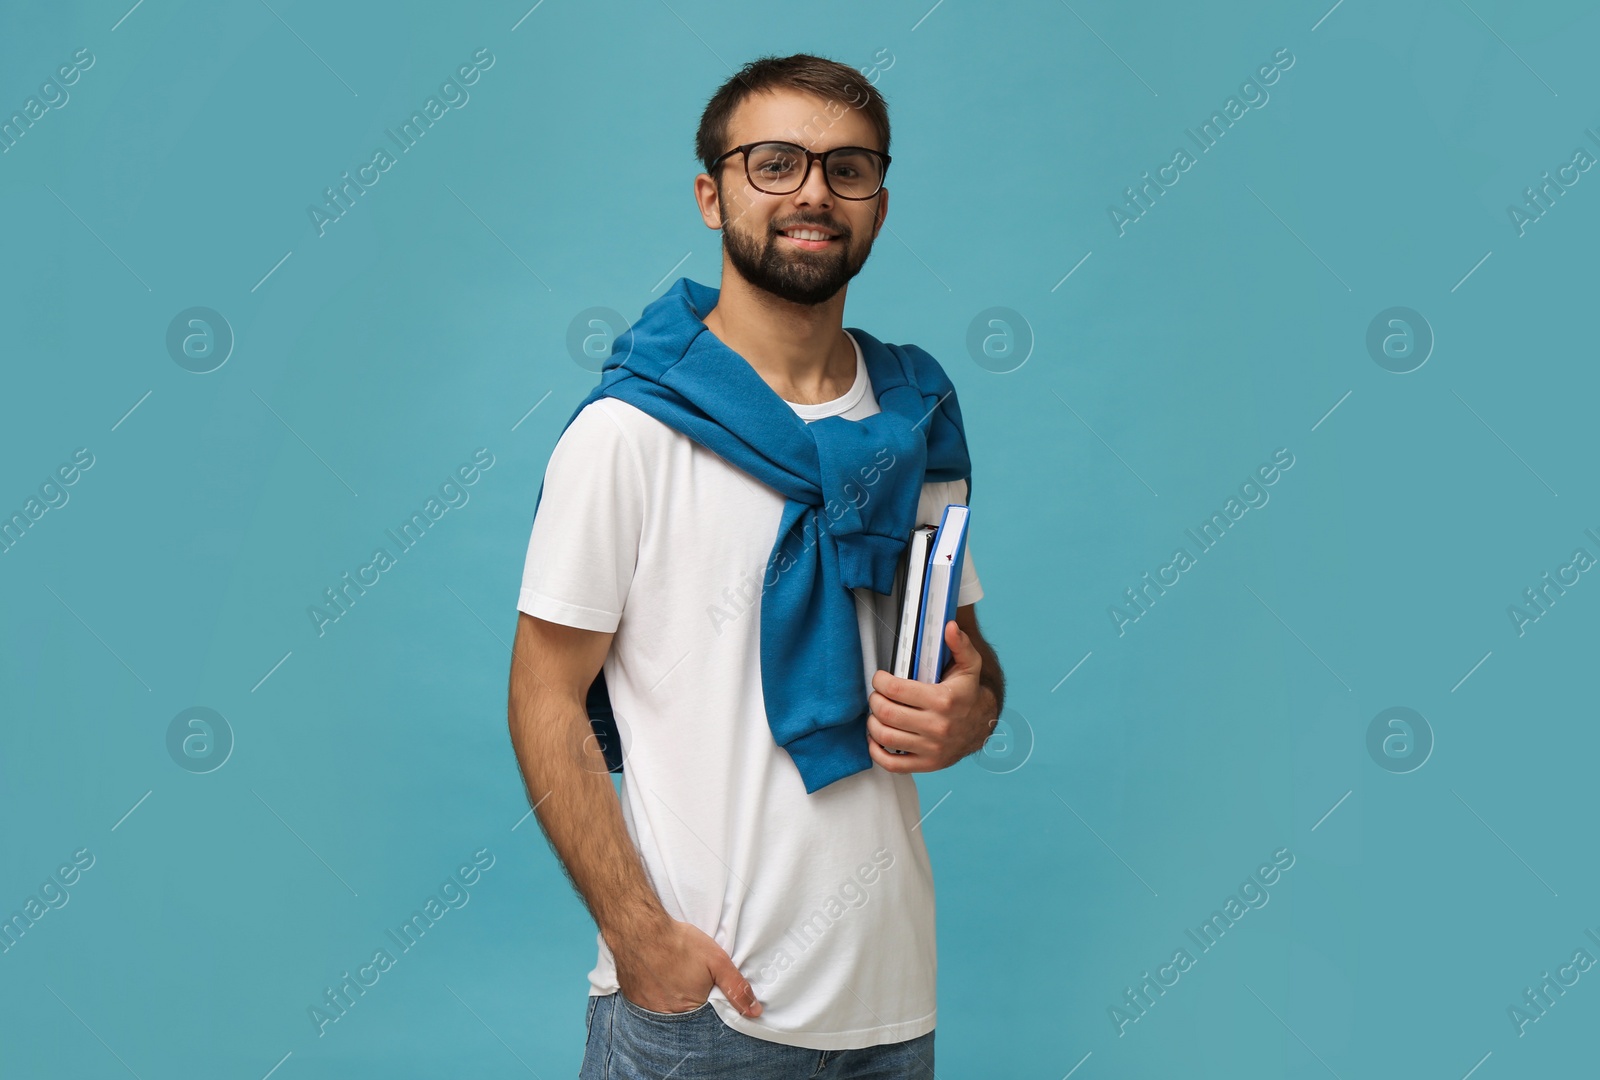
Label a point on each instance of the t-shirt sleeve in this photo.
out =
(935, 495)
(585, 540)
(971, 590)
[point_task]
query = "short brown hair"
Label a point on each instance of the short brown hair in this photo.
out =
(827, 79)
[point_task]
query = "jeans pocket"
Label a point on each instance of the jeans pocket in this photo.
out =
(670, 1018)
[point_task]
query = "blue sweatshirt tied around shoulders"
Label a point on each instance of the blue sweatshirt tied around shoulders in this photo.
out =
(845, 523)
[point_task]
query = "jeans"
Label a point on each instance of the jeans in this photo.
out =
(627, 1042)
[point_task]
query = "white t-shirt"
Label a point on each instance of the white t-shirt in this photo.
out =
(825, 902)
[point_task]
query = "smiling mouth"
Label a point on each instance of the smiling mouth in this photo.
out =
(809, 239)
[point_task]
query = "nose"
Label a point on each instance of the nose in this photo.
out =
(813, 191)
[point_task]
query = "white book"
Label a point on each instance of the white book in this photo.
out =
(908, 597)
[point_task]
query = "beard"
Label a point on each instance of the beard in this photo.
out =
(796, 274)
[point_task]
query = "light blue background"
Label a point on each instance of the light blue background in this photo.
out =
(1174, 360)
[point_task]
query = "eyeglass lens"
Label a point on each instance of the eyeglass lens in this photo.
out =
(777, 168)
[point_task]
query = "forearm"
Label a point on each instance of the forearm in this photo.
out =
(991, 684)
(991, 700)
(991, 692)
(570, 790)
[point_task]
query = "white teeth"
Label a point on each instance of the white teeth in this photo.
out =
(805, 234)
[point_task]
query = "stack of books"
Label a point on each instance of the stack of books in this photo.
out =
(911, 641)
(927, 583)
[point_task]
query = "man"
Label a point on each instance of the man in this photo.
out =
(762, 891)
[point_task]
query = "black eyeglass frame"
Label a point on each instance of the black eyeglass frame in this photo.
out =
(811, 156)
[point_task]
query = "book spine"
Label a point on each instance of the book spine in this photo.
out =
(910, 625)
(953, 591)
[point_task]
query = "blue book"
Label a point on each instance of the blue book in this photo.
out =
(940, 587)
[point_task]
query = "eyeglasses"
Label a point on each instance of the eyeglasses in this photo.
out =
(780, 168)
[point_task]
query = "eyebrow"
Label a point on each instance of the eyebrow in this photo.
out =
(791, 142)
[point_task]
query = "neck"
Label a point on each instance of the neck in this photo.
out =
(800, 350)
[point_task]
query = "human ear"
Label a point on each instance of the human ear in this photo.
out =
(705, 197)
